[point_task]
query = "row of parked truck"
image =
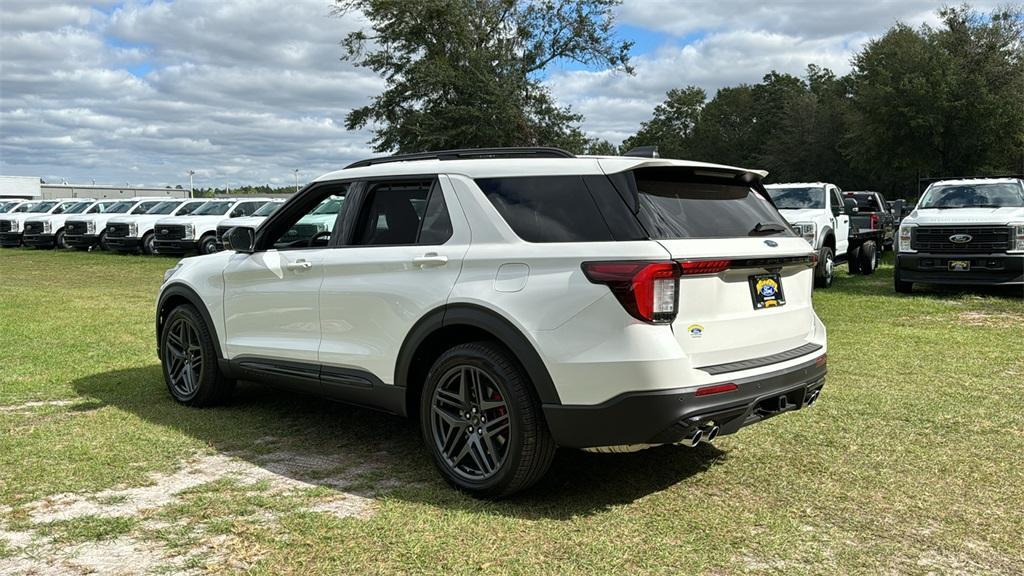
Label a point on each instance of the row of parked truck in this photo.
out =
(147, 225)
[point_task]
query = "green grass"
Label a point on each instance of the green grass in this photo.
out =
(910, 463)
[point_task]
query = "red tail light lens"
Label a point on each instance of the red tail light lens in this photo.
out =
(695, 267)
(649, 291)
(873, 220)
(715, 389)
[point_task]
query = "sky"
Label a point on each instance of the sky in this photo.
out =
(247, 91)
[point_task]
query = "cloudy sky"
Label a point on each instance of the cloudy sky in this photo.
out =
(245, 91)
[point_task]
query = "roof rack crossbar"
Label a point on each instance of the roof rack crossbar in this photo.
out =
(467, 154)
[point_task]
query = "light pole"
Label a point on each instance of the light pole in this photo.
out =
(191, 190)
(296, 172)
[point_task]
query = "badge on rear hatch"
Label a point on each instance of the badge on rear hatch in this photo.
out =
(766, 290)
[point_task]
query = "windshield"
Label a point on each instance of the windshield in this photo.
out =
(189, 207)
(118, 208)
(981, 195)
(23, 208)
(41, 207)
(78, 208)
(144, 207)
(676, 205)
(788, 198)
(267, 209)
(331, 205)
(163, 208)
(214, 209)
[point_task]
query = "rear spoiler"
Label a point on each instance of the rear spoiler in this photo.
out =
(621, 164)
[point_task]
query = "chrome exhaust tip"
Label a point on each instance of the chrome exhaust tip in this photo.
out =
(710, 434)
(813, 398)
(694, 438)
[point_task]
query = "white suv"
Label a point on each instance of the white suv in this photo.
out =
(134, 232)
(198, 230)
(513, 300)
(819, 213)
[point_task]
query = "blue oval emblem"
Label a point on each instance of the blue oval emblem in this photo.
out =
(771, 243)
(767, 290)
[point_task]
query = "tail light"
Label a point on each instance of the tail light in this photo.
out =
(695, 267)
(715, 389)
(649, 291)
(873, 221)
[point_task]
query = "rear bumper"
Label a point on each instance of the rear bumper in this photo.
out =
(124, 243)
(39, 240)
(10, 239)
(668, 416)
(987, 269)
(173, 246)
(83, 241)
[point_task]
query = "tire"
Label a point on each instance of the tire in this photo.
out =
(824, 272)
(147, 244)
(59, 242)
(103, 241)
(853, 259)
(901, 286)
(208, 244)
(518, 448)
(184, 339)
(868, 258)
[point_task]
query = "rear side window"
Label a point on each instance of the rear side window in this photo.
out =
(403, 213)
(547, 208)
(674, 203)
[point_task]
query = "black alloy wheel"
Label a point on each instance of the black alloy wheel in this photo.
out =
(470, 422)
(184, 358)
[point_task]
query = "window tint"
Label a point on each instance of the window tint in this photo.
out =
(675, 204)
(394, 212)
(547, 208)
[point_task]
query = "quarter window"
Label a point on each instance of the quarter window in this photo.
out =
(547, 208)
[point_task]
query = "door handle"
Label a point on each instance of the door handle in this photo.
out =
(299, 265)
(430, 259)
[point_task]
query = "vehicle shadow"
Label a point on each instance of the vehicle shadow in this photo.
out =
(881, 284)
(283, 432)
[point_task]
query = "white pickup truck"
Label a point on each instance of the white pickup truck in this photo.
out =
(90, 230)
(12, 224)
(966, 232)
(198, 231)
(253, 221)
(47, 231)
(817, 211)
(134, 232)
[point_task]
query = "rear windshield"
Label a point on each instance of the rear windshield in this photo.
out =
(865, 202)
(675, 204)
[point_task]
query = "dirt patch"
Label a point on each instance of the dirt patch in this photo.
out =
(997, 319)
(32, 406)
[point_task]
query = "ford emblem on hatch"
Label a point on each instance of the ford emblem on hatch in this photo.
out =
(771, 243)
(961, 238)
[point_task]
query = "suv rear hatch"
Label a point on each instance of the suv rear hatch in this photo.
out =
(745, 288)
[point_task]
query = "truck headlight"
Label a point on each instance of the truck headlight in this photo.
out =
(190, 231)
(807, 230)
(47, 227)
(906, 234)
(133, 230)
(1017, 237)
(90, 227)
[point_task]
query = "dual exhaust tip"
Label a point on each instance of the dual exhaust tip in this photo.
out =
(706, 433)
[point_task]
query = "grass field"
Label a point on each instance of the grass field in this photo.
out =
(912, 461)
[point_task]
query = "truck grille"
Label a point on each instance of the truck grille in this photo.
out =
(5, 225)
(117, 230)
(170, 232)
(75, 228)
(33, 228)
(983, 239)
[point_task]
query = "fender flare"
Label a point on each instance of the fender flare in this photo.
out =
(179, 290)
(476, 316)
(825, 232)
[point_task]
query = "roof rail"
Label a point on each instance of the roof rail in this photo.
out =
(467, 154)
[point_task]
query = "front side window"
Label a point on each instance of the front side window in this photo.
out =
(403, 213)
(980, 195)
(788, 198)
(163, 208)
(216, 208)
(311, 224)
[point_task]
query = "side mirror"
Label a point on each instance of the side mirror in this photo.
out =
(850, 205)
(242, 239)
(235, 213)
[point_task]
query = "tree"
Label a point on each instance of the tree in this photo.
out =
(467, 73)
(672, 124)
(725, 130)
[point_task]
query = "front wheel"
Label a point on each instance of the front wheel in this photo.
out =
(901, 286)
(208, 244)
(103, 241)
(59, 241)
(482, 422)
(148, 246)
(825, 269)
(189, 360)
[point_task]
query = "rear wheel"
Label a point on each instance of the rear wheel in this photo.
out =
(853, 259)
(189, 360)
(868, 258)
(482, 423)
(825, 269)
(147, 243)
(208, 244)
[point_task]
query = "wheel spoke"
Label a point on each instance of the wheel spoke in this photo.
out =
(496, 426)
(476, 453)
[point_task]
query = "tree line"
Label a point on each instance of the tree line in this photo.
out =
(918, 102)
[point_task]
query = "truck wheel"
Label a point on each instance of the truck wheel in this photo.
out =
(208, 244)
(103, 241)
(147, 243)
(825, 269)
(58, 240)
(853, 259)
(189, 360)
(868, 258)
(482, 422)
(901, 286)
